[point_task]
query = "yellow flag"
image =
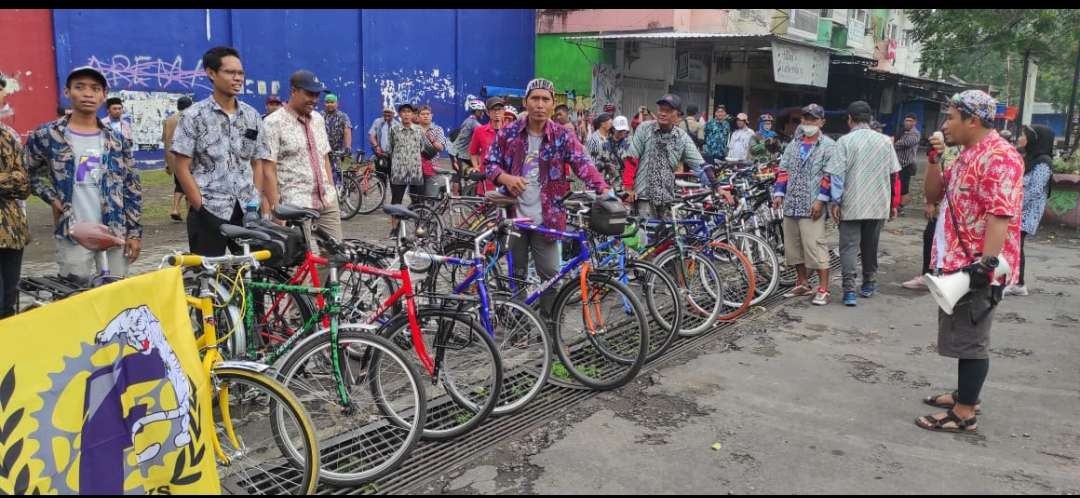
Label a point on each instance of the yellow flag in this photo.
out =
(103, 392)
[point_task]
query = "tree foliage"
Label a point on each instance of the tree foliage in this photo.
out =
(974, 44)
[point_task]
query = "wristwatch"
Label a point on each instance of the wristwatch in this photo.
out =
(989, 262)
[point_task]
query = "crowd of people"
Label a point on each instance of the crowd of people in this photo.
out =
(984, 195)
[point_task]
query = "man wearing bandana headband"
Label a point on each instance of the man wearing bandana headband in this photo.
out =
(980, 200)
(527, 160)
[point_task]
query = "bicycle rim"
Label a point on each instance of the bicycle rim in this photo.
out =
(372, 193)
(349, 197)
(357, 443)
(700, 285)
(598, 341)
(525, 348)
(275, 450)
(470, 376)
(764, 260)
(737, 275)
(660, 296)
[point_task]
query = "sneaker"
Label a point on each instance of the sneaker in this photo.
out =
(822, 297)
(868, 289)
(917, 283)
(849, 298)
(1016, 290)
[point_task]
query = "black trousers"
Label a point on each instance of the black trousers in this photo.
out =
(10, 267)
(397, 192)
(1023, 236)
(927, 244)
(204, 231)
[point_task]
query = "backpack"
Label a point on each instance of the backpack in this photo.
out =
(454, 134)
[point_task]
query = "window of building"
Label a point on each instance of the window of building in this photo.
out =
(805, 20)
(856, 24)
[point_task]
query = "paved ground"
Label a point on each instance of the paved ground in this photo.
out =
(811, 400)
(822, 400)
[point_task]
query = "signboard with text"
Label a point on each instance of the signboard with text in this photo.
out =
(798, 65)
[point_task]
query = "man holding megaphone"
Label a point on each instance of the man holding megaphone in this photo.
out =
(976, 246)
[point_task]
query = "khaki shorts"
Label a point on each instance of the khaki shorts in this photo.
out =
(804, 243)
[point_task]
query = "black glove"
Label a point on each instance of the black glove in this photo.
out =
(981, 275)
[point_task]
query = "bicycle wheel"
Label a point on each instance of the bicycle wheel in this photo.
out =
(349, 196)
(700, 286)
(428, 220)
(275, 449)
(737, 276)
(599, 342)
(357, 442)
(660, 296)
(470, 370)
(764, 260)
(278, 314)
(525, 348)
(372, 192)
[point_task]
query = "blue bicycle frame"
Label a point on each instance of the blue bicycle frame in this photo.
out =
(582, 257)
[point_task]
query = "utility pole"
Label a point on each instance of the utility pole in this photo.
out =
(1072, 104)
(1023, 89)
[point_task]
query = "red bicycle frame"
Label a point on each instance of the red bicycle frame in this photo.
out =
(309, 269)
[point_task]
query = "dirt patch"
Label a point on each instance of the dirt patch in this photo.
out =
(1011, 317)
(870, 372)
(651, 410)
(1060, 280)
(1010, 352)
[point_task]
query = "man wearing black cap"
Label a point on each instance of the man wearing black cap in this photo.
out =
(217, 143)
(167, 133)
(656, 150)
(297, 158)
(406, 169)
(865, 191)
(906, 144)
(115, 118)
(86, 172)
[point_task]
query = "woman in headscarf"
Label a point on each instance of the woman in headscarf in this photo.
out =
(1037, 144)
(766, 143)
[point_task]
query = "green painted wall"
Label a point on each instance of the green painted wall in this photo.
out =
(566, 64)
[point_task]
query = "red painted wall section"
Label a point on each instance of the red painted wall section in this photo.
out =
(28, 64)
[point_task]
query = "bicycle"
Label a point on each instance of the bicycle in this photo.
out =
(343, 395)
(373, 177)
(465, 366)
(347, 181)
(602, 349)
(242, 385)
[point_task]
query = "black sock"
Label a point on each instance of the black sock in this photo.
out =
(971, 375)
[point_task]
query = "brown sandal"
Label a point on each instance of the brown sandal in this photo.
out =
(930, 423)
(933, 401)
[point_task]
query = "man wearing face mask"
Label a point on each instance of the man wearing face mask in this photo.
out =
(802, 189)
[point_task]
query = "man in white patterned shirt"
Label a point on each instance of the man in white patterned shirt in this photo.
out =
(297, 162)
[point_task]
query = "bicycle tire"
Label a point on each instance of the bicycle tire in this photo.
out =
(301, 462)
(652, 280)
(372, 193)
(700, 285)
(737, 276)
(348, 206)
(584, 367)
(526, 354)
(428, 220)
(764, 260)
(378, 440)
(440, 414)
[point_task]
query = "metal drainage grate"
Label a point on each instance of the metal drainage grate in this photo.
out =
(432, 458)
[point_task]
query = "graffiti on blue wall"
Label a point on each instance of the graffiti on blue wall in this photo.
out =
(416, 87)
(145, 71)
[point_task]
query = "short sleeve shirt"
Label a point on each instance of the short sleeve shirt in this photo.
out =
(221, 149)
(336, 124)
(986, 180)
(300, 150)
(864, 159)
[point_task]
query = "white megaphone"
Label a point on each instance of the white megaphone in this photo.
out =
(948, 289)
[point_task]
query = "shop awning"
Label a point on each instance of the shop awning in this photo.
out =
(727, 40)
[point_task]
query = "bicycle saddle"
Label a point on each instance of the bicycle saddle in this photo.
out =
(293, 213)
(400, 212)
(500, 199)
(234, 232)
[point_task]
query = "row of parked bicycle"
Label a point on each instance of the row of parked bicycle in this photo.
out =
(332, 359)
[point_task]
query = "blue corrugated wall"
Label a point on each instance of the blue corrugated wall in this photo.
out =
(367, 56)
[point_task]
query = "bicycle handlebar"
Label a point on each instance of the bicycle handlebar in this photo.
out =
(197, 260)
